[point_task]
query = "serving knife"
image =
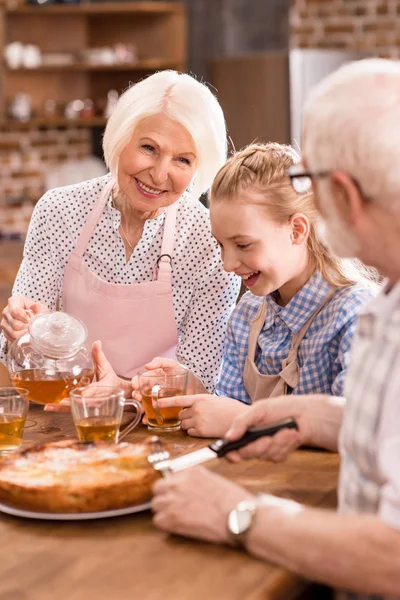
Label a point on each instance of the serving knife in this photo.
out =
(161, 461)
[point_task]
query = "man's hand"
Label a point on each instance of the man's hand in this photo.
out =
(205, 415)
(17, 314)
(318, 418)
(196, 503)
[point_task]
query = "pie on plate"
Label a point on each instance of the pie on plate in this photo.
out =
(78, 477)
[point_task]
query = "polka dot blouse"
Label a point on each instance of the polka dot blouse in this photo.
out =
(203, 294)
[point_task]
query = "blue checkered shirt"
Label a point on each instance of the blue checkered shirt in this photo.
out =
(323, 354)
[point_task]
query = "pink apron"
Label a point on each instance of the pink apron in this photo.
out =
(135, 322)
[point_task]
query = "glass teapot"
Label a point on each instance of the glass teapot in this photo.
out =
(51, 358)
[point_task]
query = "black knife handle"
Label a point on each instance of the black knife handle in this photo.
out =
(223, 446)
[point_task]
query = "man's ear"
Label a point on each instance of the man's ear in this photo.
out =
(300, 228)
(347, 197)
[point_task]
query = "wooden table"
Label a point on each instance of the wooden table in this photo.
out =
(127, 558)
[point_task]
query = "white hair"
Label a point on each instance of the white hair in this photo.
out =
(183, 99)
(352, 123)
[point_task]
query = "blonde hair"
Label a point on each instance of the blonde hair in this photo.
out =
(184, 100)
(262, 169)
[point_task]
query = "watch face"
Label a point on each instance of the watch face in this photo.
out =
(240, 519)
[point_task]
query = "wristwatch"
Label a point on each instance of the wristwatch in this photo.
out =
(241, 518)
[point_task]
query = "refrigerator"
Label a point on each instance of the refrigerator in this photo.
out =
(307, 67)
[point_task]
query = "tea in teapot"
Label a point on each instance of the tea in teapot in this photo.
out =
(51, 359)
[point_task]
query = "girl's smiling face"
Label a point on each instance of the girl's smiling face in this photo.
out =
(267, 255)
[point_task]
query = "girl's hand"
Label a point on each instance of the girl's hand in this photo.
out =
(205, 415)
(156, 363)
(195, 385)
(17, 314)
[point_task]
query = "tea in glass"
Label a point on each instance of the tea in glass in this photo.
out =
(94, 429)
(97, 413)
(13, 411)
(170, 416)
(162, 383)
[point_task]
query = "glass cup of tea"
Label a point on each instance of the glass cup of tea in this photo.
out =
(14, 406)
(97, 413)
(162, 383)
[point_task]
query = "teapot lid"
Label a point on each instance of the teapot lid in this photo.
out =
(57, 334)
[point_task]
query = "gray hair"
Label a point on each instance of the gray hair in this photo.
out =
(352, 123)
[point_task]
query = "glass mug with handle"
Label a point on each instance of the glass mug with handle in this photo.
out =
(164, 382)
(14, 406)
(97, 413)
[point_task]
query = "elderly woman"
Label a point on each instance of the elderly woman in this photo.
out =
(131, 253)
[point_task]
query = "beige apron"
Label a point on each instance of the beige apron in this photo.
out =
(257, 384)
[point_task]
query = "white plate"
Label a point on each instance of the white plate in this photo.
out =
(28, 514)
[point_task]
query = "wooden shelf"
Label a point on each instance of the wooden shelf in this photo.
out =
(157, 30)
(7, 124)
(101, 8)
(142, 65)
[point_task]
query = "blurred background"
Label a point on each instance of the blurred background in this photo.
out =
(65, 62)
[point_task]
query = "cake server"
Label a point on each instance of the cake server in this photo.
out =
(162, 462)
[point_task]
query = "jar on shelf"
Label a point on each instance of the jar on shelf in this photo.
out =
(52, 358)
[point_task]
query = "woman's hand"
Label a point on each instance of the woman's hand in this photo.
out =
(264, 412)
(104, 375)
(17, 314)
(196, 503)
(205, 415)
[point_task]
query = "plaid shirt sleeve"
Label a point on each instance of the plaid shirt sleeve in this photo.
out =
(207, 319)
(230, 381)
(343, 356)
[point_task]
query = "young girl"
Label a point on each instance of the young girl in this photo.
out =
(292, 332)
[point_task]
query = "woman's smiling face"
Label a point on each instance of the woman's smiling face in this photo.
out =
(157, 165)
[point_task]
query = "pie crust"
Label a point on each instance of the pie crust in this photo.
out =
(76, 477)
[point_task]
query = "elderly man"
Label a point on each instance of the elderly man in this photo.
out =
(351, 155)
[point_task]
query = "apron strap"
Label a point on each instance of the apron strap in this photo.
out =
(290, 367)
(164, 262)
(92, 220)
(299, 336)
(165, 259)
(255, 330)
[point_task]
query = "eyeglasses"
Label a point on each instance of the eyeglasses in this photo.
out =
(302, 180)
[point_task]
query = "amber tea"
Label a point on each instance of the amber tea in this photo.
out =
(94, 429)
(170, 416)
(97, 413)
(11, 431)
(49, 388)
